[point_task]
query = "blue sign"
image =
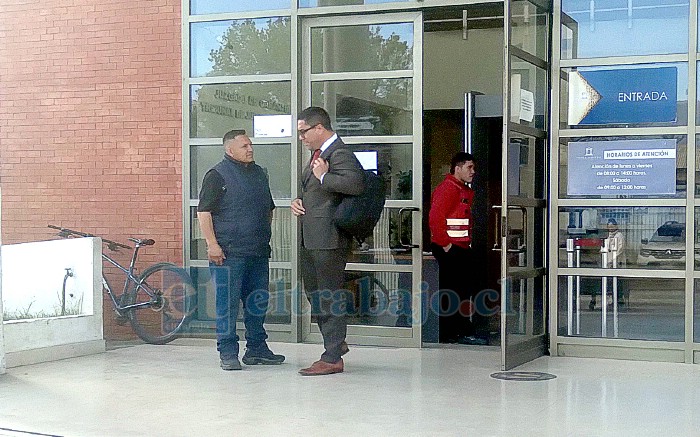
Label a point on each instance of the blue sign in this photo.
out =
(624, 167)
(640, 95)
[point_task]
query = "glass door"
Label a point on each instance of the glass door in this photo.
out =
(366, 72)
(523, 209)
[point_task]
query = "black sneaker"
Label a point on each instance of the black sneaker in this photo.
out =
(231, 364)
(261, 356)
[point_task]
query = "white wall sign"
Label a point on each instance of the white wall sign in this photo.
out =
(272, 126)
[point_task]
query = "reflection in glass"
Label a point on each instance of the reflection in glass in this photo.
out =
(279, 307)
(280, 242)
(216, 109)
(279, 310)
(644, 308)
(651, 178)
(199, 7)
(622, 237)
(237, 47)
(681, 95)
(696, 241)
(320, 3)
(372, 47)
(394, 165)
(623, 28)
(378, 298)
(206, 302)
(529, 28)
(526, 309)
(367, 107)
(388, 243)
(273, 158)
(526, 166)
(526, 226)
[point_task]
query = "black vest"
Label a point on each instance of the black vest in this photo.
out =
(242, 220)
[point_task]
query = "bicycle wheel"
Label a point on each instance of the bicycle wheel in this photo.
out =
(167, 294)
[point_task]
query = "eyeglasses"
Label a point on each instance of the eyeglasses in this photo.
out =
(302, 132)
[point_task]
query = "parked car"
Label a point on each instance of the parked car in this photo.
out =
(666, 246)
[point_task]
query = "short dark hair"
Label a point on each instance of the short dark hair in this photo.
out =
(459, 159)
(233, 134)
(314, 115)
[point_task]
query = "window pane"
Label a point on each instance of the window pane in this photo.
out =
(696, 318)
(529, 28)
(362, 48)
(697, 113)
(238, 47)
(384, 246)
(274, 158)
(697, 167)
(647, 308)
(394, 163)
(622, 177)
(367, 107)
(278, 310)
(623, 28)
(198, 7)
(623, 237)
(216, 109)
(529, 87)
(280, 241)
(575, 82)
(320, 3)
(697, 239)
(378, 298)
(526, 166)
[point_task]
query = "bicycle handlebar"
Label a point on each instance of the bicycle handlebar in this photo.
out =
(111, 245)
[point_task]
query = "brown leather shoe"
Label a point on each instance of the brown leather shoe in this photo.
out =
(322, 368)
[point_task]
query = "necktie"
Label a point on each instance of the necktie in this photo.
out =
(316, 154)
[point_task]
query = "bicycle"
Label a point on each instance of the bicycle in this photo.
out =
(157, 303)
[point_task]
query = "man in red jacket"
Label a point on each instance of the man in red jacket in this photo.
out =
(451, 236)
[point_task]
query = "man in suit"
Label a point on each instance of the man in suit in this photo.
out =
(332, 173)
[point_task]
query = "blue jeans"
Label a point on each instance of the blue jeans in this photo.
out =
(241, 279)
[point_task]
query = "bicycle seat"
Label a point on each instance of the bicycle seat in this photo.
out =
(144, 242)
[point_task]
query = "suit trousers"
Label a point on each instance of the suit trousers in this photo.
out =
(323, 272)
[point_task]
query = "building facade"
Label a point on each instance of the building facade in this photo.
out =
(581, 115)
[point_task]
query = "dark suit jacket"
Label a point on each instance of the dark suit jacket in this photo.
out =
(320, 201)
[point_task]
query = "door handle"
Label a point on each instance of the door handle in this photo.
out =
(500, 229)
(409, 244)
(498, 232)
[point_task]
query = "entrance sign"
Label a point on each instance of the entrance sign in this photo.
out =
(640, 95)
(623, 167)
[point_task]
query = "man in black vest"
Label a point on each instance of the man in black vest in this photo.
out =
(235, 212)
(332, 173)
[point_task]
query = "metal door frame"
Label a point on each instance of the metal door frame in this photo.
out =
(513, 355)
(377, 335)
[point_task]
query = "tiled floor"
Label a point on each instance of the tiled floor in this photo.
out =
(179, 390)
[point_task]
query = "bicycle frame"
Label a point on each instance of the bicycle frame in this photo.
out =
(129, 272)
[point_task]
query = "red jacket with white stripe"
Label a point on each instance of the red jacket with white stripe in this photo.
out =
(451, 213)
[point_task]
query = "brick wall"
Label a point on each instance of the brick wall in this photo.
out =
(90, 122)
